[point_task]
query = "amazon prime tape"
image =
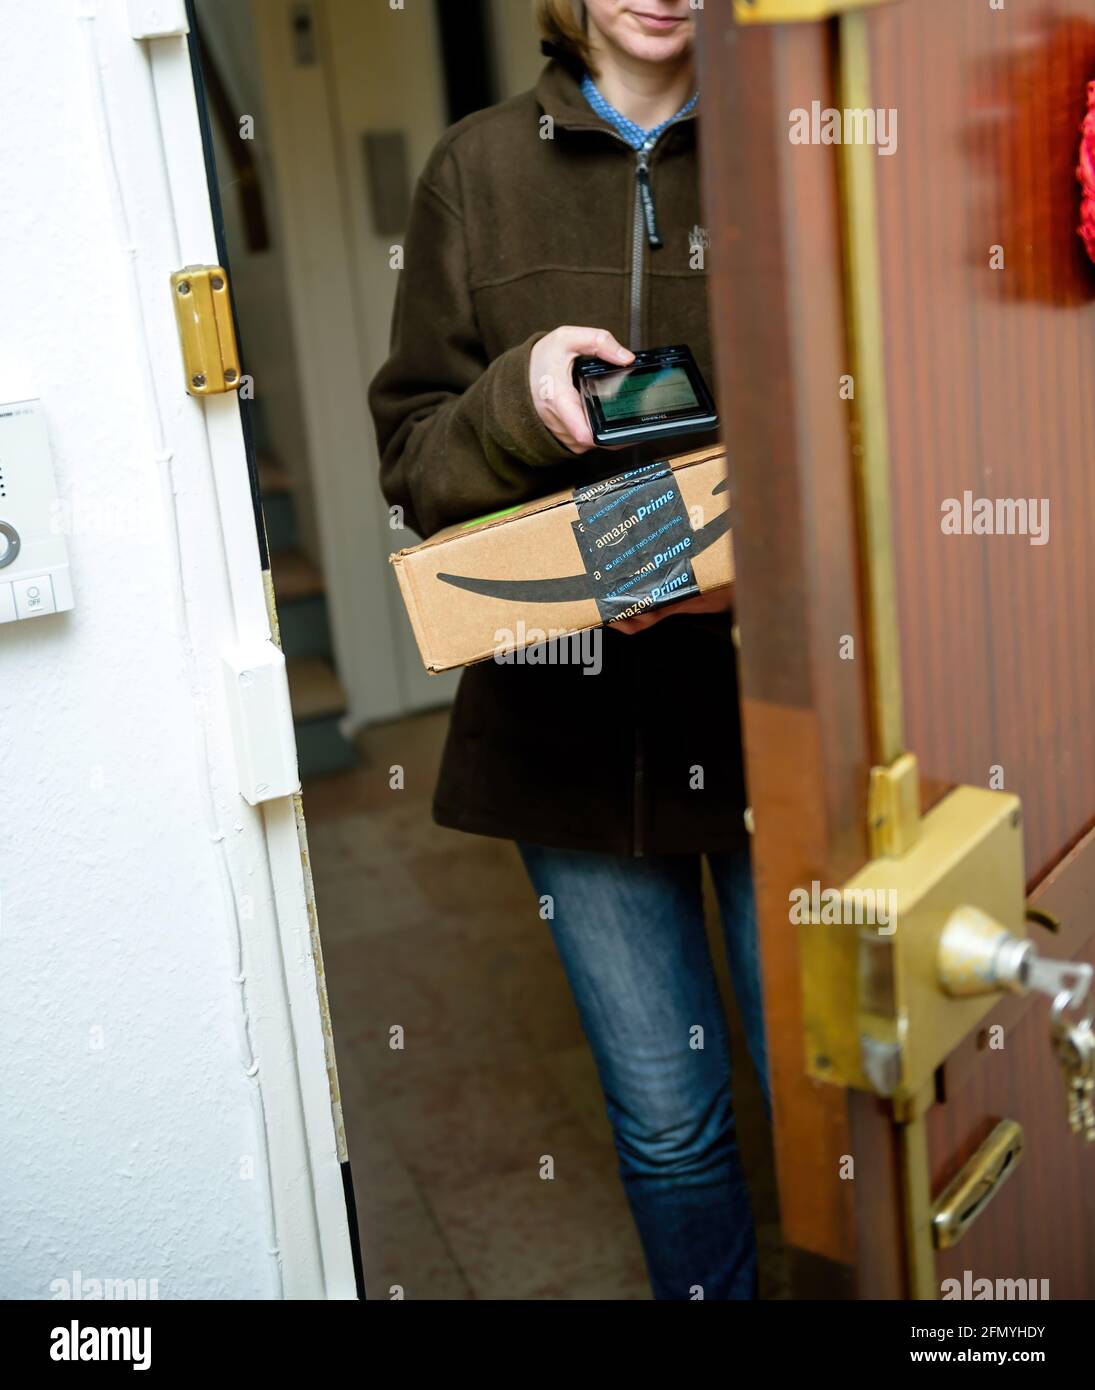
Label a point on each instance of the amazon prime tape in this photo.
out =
(569, 562)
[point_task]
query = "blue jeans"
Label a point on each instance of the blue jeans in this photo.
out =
(630, 933)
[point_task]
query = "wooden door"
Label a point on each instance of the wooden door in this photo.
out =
(893, 331)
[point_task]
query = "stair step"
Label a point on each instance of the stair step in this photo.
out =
(305, 629)
(321, 748)
(314, 689)
(295, 576)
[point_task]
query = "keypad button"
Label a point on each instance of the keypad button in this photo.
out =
(33, 596)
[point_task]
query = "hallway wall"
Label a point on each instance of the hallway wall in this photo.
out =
(374, 69)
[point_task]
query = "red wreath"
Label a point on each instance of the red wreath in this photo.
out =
(1086, 174)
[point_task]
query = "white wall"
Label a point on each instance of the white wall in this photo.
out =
(158, 1119)
(378, 69)
(385, 74)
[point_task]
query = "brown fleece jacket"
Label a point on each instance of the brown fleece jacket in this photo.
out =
(526, 218)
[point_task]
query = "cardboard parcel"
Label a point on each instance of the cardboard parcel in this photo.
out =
(569, 562)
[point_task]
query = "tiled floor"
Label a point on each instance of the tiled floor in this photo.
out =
(437, 934)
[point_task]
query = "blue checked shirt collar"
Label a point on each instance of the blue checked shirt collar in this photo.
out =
(635, 136)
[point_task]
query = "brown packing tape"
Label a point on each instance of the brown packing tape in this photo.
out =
(455, 626)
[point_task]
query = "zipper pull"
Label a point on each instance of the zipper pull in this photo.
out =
(646, 192)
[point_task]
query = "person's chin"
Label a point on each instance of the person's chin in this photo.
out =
(659, 49)
(657, 45)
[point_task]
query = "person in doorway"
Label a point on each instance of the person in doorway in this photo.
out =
(564, 222)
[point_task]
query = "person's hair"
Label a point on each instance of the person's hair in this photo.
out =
(563, 27)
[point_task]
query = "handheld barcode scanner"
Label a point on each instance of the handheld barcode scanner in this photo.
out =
(659, 395)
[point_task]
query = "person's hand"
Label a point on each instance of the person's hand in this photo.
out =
(557, 402)
(719, 600)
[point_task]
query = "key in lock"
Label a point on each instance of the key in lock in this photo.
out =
(978, 955)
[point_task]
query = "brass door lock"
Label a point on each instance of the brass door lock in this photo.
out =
(875, 1015)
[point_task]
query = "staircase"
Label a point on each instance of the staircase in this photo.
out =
(317, 694)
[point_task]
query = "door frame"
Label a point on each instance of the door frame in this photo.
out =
(796, 559)
(162, 193)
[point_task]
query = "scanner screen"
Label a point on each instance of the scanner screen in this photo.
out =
(648, 392)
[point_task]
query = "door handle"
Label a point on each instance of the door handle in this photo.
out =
(966, 1197)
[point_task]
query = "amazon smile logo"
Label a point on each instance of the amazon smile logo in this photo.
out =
(572, 588)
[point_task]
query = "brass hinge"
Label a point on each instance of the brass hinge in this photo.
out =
(796, 11)
(203, 311)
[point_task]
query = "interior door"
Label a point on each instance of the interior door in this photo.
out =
(906, 340)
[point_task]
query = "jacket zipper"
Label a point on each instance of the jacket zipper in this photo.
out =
(646, 192)
(645, 229)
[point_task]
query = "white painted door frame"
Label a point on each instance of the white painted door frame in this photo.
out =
(151, 145)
